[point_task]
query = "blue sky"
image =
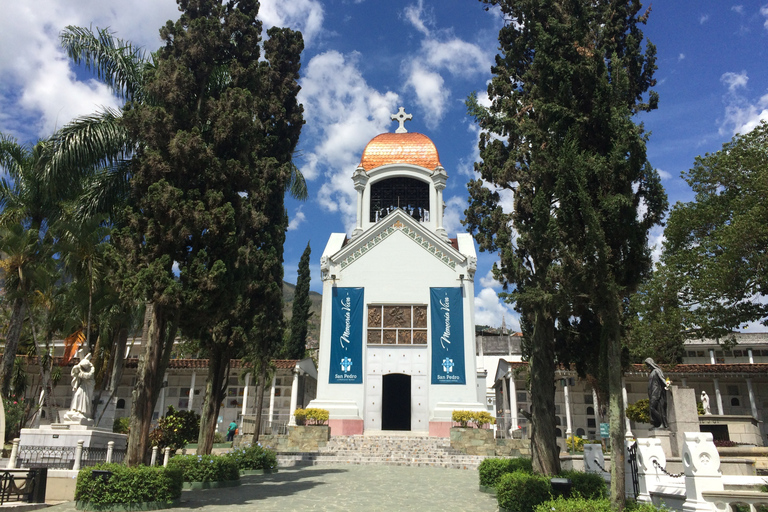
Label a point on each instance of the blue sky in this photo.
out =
(366, 58)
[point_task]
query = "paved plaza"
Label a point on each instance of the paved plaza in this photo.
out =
(342, 487)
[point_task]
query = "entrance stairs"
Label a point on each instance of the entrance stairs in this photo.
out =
(396, 450)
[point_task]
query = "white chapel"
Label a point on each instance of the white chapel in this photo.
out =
(397, 349)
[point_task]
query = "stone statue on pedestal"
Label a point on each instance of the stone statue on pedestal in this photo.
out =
(657, 395)
(83, 384)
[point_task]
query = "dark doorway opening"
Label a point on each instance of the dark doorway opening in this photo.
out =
(396, 402)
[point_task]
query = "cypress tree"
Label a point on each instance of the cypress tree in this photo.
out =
(219, 127)
(296, 345)
(559, 135)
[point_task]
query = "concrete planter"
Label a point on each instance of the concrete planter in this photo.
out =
(308, 438)
(473, 441)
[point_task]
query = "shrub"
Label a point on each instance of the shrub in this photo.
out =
(577, 504)
(633, 506)
(254, 457)
(479, 418)
(575, 443)
(311, 416)
(205, 468)
(126, 485)
(218, 437)
(640, 411)
(482, 418)
(15, 413)
(521, 491)
(122, 425)
(491, 470)
(590, 486)
(461, 417)
(177, 429)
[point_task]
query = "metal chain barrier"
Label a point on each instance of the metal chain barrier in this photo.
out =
(673, 475)
(601, 466)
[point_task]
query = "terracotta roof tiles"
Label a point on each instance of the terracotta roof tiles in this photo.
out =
(400, 148)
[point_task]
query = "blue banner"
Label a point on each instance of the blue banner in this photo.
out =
(447, 315)
(346, 336)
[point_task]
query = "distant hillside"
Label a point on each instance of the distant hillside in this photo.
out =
(289, 290)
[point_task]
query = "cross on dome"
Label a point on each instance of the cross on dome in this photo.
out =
(401, 117)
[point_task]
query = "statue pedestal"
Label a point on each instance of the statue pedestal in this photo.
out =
(68, 434)
(682, 416)
(663, 435)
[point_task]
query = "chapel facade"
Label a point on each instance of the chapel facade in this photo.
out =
(396, 348)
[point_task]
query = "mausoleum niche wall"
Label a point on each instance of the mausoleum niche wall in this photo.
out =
(397, 324)
(409, 194)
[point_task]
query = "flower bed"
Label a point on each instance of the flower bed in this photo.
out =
(254, 459)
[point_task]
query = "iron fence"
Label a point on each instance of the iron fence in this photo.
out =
(277, 425)
(53, 457)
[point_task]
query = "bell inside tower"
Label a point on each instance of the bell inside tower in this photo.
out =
(408, 194)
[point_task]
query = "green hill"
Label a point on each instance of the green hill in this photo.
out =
(313, 331)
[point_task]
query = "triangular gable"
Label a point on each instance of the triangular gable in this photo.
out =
(391, 224)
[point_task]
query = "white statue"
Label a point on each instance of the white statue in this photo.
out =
(83, 384)
(705, 402)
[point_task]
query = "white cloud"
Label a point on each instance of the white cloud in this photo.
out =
(415, 16)
(431, 95)
(454, 214)
(681, 57)
(303, 15)
(298, 218)
(489, 310)
(703, 19)
(735, 81)
(664, 175)
(656, 240)
(342, 113)
(488, 281)
(742, 114)
(738, 9)
(764, 12)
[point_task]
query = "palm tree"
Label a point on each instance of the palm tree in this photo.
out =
(27, 208)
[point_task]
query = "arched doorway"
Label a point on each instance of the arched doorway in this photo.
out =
(396, 402)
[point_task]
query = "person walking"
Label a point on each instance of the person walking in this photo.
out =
(231, 431)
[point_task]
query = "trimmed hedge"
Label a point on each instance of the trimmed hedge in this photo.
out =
(205, 468)
(140, 484)
(253, 457)
(587, 485)
(521, 491)
(578, 504)
(491, 470)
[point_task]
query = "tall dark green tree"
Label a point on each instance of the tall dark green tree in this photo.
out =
(559, 135)
(296, 345)
(218, 130)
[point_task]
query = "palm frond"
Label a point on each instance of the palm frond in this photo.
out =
(13, 156)
(116, 62)
(104, 192)
(297, 186)
(86, 144)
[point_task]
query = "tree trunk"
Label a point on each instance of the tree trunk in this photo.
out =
(158, 342)
(12, 343)
(260, 399)
(116, 365)
(545, 453)
(45, 376)
(611, 332)
(215, 385)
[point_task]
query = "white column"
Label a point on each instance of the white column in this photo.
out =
(192, 391)
(272, 400)
(751, 359)
(684, 382)
(512, 401)
(162, 395)
(628, 433)
(712, 356)
(752, 402)
(567, 396)
(439, 177)
(596, 408)
(245, 392)
(718, 397)
(359, 178)
(294, 396)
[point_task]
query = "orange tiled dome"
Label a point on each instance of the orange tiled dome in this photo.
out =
(400, 148)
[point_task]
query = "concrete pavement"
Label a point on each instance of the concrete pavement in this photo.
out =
(342, 487)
